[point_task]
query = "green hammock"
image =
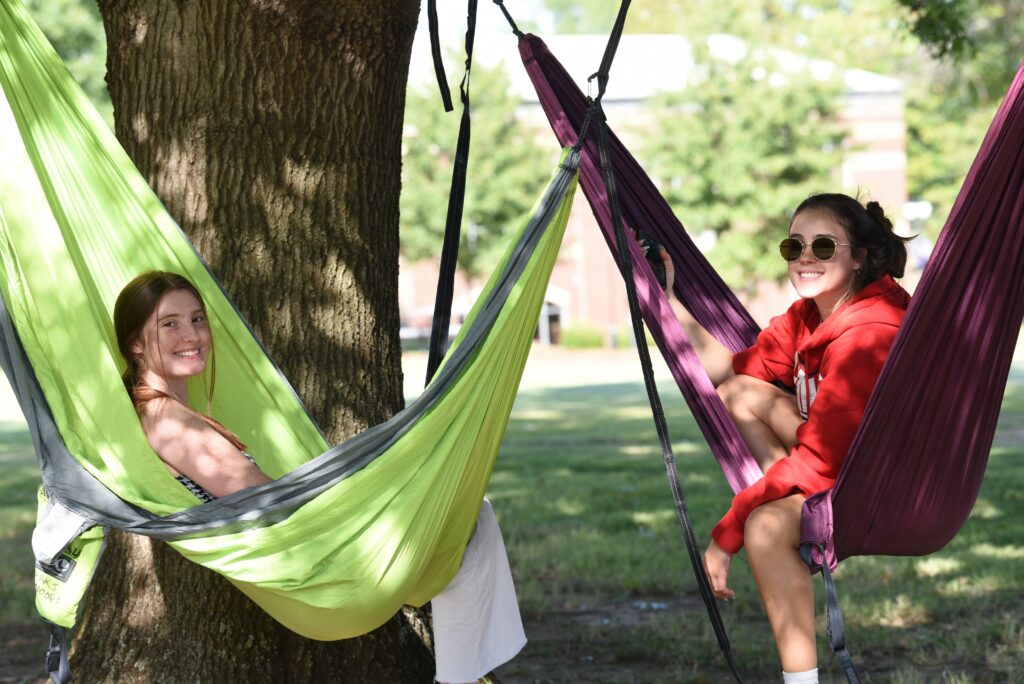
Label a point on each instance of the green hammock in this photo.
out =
(345, 535)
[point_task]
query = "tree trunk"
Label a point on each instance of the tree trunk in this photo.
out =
(272, 133)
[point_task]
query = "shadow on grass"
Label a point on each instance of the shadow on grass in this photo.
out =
(605, 585)
(594, 541)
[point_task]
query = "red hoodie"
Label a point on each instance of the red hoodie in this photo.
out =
(833, 366)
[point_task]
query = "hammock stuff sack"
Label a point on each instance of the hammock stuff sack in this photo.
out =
(915, 466)
(345, 535)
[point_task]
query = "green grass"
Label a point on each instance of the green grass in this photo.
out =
(605, 586)
(19, 479)
(594, 542)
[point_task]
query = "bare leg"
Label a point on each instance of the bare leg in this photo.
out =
(771, 537)
(766, 416)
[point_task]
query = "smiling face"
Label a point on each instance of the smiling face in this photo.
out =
(826, 282)
(175, 342)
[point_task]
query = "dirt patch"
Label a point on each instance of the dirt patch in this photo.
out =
(22, 651)
(577, 645)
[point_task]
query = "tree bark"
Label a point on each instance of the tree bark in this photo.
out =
(271, 130)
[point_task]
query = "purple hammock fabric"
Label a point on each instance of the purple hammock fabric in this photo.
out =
(915, 466)
(697, 284)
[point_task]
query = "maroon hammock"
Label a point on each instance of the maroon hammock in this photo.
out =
(915, 466)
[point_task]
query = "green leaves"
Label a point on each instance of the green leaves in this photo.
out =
(75, 30)
(506, 171)
(737, 151)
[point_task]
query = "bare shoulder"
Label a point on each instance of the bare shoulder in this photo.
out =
(176, 434)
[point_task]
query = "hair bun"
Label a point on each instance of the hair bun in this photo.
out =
(877, 214)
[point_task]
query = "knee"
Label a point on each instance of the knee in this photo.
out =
(769, 530)
(731, 392)
(742, 395)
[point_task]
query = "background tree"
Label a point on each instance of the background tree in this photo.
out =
(75, 30)
(955, 59)
(506, 170)
(735, 153)
(272, 133)
(952, 100)
(824, 29)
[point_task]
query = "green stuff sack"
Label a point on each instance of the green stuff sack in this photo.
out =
(62, 579)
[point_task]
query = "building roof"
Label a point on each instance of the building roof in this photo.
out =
(645, 64)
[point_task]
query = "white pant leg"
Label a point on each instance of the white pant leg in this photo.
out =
(477, 626)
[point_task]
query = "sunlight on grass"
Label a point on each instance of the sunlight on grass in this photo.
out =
(899, 611)
(971, 587)
(639, 450)
(569, 507)
(1004, 552)
(538, 414)
(985, 510)
(635, 412)
(933, 567)
(653, 519)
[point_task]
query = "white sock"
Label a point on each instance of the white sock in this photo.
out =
(808, 677)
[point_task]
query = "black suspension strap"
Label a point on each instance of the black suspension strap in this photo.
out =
(453, 221)
(435, 52)
(834, 614)
(609, 51)
(508, 18)
(689, 537)
(595, 117)
(57, 667)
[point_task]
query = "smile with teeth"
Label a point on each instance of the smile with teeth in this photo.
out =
(187, 354)
(810, 275)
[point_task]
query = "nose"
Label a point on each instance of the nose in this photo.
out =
(806, 254)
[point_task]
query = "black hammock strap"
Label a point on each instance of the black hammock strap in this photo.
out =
(435, 53)
(58, 668)
(508, 18)
(626, 266)
(609, 51)
(833, 613)
(595, 117)
(456, 202)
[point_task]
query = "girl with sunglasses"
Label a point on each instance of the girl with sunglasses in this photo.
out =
(163, 334)
(797, 397)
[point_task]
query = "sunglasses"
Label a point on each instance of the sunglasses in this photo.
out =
(823, 248)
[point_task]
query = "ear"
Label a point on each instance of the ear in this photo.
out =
(860, 256)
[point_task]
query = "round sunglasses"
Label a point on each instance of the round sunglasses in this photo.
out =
(823, 248)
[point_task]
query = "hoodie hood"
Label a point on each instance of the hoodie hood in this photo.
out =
(882, 302)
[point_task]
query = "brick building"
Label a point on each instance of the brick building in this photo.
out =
(586, 289)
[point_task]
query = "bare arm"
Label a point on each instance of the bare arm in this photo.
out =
(192, 447)
(714, 356)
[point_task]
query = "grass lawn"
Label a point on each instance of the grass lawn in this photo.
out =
(605, 586)
(608, 594)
